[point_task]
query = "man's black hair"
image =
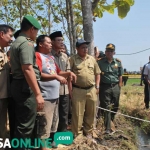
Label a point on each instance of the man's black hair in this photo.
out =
(39, 40)
(4, 28)
(26, 25)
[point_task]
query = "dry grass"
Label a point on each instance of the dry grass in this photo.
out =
(132, 103)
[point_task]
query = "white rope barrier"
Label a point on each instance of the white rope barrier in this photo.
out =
(124, 115)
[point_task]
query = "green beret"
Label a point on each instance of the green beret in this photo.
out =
(33, 21)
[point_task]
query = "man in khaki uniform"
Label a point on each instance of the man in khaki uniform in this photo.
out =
(6, 33)
(84, 92)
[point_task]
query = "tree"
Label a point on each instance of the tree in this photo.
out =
(88, 23)
(96, 8)
(63, 15)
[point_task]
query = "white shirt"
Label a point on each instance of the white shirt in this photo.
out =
(147, 70)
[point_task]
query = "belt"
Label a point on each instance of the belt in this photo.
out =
(110, 84)
(85, 88)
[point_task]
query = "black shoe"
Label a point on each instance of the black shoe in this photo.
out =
(108, 131)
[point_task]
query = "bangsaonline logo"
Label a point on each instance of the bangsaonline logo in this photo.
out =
(59, 138)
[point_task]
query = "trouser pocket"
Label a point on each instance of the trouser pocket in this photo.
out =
(40, 124)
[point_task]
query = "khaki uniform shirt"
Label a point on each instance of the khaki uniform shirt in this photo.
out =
(64, 65)
(85, 70)
(110, 72)
(4, 75)
(21, 53)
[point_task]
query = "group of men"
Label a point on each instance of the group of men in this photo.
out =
(44, 79)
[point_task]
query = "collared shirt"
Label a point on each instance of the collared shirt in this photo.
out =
(110, 72)
(22, 53)
(85, 70)
(147, 70)
(64, 65)
(4, 75)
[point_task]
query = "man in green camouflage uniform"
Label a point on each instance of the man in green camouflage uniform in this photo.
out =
(24, 88)
(110, 84)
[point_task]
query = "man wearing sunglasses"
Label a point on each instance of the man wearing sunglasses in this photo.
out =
(110, 85)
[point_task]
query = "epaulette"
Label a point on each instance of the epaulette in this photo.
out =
(30, 43)
(28, 39)
(118, 59)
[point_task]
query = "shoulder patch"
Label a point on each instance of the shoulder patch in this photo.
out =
(118, 59)
(30, 44)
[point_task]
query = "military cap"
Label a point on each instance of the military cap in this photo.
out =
(33, 21)
(55, 34)
(110, 46)
(80, 42)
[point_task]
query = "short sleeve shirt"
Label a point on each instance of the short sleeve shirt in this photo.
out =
(85, 70)
(147, 70)
(22, 53)
(110, 72)
(47, 65)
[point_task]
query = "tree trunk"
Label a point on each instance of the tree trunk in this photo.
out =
(73, 31)
(88, 24)
(20, 12)
(49, 17)
(69, 26)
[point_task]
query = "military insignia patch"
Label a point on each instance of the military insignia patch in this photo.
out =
(30, 44)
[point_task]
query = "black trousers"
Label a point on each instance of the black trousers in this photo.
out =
(63, 112)
(22, 110)
(146, 95)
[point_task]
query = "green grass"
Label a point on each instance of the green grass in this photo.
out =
(133, 81)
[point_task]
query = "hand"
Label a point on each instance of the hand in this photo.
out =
(40, 102)
(97, 91)
(61, 79)
(70, 95)
(120, 85)
(73, 77)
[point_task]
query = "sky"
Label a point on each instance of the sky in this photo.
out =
(129, 35)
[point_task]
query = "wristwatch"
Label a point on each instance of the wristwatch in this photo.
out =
(97, 87)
